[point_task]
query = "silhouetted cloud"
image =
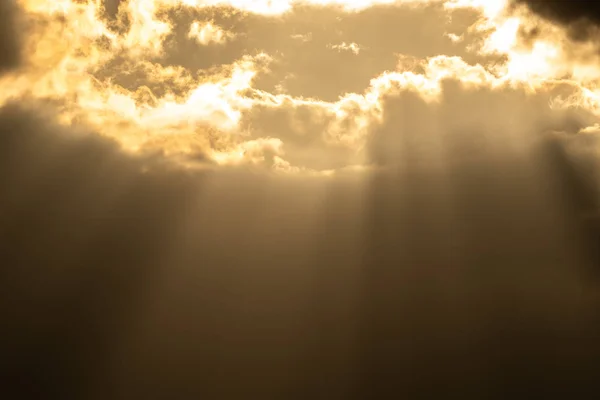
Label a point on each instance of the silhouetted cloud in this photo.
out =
(468, 274)
(106, 254)
(580, 16)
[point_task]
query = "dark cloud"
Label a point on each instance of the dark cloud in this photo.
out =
(82, 227)
(10, 50)
(124, 277)
(478, 250)
(115, 266)
(580, 16)
(415, 128)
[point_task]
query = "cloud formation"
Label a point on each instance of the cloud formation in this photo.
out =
(195, 80)
(272, 216)
(579, 16)
(318, 283)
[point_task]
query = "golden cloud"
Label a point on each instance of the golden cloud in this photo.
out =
(115, 75)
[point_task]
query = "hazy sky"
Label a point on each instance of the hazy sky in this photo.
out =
(230, 199)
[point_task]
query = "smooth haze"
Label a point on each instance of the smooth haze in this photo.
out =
(331, 199)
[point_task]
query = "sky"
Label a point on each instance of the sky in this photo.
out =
(299, 198)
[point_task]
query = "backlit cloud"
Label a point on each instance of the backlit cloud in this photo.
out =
(207, 33)
(209, 76)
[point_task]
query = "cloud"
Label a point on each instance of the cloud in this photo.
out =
(87, 230)
(420, 121)
(268, 217)
(80, 220)
(382, 29)
(351, 47)
(579, 16)
(143, 81)
(10, 50)
(206, 33)
(557, 37)
(111, 8)
(476, 245)
(470, 225)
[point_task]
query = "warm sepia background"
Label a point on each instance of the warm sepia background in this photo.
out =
(239, 199)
